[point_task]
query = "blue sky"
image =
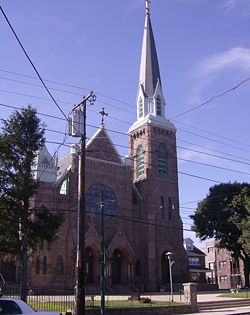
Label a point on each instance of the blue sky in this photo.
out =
(203, 49)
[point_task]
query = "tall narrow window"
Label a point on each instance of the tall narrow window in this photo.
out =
(140, 107)
(162, 208)
(59, 266)
(158, 106)
(162, 160)
(170, 207)
(137, 268)
(139, 161)
(37, 265)
(44, 265)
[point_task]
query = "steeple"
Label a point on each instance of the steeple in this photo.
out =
(150, 99)
(149, 71)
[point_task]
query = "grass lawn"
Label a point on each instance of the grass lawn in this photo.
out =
(242, 294)
(62, 306)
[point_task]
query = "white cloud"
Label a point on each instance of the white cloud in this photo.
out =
(214, 67)
(241, 7)
(238, 57)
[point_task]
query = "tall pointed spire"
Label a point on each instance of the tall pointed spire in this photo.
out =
(149, 71)
(150, 98)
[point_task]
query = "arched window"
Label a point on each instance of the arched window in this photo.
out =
(59, 266)
(170, 207)
(64, 190)
(162, 160)
(139, 161)
(162, 208)
(140, 112)
(37, 265)
(44, 265)
(158, 106)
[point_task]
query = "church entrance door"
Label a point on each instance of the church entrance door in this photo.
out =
(89, 265)
(165, 269)
(116, 267)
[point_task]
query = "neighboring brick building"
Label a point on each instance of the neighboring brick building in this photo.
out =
(141, 202)
(196, 262)
(227, 273)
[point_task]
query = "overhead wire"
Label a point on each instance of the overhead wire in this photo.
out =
(31, 62)
(127, 123)
(123, 133)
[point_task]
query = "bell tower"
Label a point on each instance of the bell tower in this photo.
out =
(152, 150)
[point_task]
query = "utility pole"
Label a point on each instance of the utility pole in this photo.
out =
(77, 128)
(102, 284)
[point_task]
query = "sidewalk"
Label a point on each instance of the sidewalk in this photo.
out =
(226, 311)
(207, 297)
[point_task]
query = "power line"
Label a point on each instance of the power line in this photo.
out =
(123, 133)
(126, 122)
(30, 61)
(211, 133)
(211, 99)
(130, 105)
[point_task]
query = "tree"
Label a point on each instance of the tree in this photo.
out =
(245, 227)
(223, 215)
(22, 228)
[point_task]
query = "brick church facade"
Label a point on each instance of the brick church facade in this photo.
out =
(142, 219)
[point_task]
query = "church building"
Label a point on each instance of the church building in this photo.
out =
(140, 198)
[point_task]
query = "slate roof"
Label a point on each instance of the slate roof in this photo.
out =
(149, 71)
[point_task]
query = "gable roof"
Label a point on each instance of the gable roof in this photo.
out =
(100, 146)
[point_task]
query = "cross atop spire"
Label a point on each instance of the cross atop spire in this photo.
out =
(147, 7)
(102, 112)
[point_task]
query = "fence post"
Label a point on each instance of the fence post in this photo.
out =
(190, 295)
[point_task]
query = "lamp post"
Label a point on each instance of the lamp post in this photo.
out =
(169, 255)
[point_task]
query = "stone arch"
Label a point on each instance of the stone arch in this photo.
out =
(117, 266)
(59, 265)
(165, 276)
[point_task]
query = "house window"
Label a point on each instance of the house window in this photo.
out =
(223, 278)
(211, 265)
(189, 247)
(162, 159)
(222, 264)
(194, 261)
(64, 190)
(59, 266)
(37, 265)
(140, 107)
(44, 265)
(158, 106)
(210, 250)
(139, 161)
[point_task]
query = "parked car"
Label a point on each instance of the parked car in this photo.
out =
(14, 306)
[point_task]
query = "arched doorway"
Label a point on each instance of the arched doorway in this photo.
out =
(116, 269)
(89, 258)
(165, 269)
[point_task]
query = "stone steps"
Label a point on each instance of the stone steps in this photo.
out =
(212, 305)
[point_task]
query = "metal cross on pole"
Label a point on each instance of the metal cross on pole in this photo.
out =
(102, 112)
(147, 7)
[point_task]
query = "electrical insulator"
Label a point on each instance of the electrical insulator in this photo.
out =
(76, 123)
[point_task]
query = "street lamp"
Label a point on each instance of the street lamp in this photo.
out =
(169, 255)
